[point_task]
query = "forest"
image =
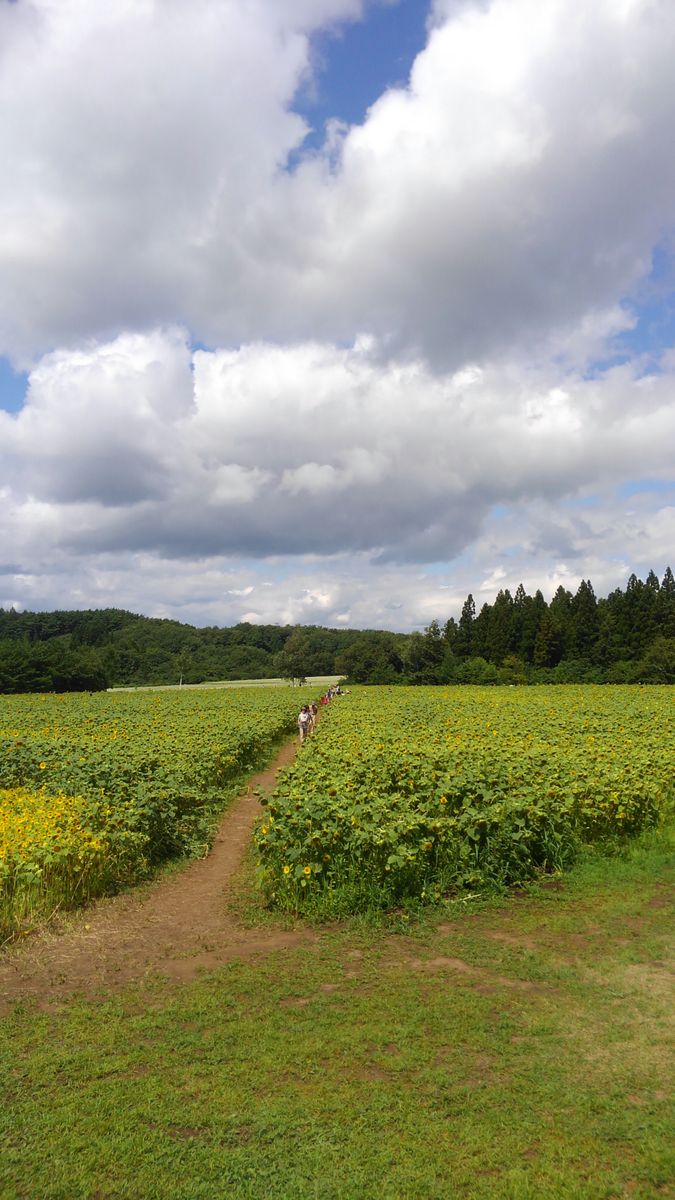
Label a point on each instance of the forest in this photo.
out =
(626, 637)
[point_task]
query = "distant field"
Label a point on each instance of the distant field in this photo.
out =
(311, 681)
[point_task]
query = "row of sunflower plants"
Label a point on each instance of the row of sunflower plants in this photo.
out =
(418, 793)
(95, 790)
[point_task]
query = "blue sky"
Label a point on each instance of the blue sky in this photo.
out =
(652, 308)
(356, 63)
(12, 386)
(435, 356)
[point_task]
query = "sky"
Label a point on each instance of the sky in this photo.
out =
(332, 311)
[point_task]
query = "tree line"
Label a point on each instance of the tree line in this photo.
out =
(627, 637)
(94, 649)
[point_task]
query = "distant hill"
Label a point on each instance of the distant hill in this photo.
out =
(94, 649)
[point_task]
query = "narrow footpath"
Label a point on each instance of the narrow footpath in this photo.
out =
(171, 928)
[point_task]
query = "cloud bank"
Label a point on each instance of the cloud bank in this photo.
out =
(311, 452)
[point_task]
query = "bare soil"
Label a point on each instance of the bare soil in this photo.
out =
(172, 928)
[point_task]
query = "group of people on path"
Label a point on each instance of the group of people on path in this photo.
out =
(308, 714)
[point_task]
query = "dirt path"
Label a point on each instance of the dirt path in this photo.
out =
(175, 927)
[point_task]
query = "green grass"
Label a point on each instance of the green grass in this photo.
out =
(276, 681)
(514, 1048)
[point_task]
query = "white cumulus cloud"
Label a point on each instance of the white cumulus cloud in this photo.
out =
(414, 386)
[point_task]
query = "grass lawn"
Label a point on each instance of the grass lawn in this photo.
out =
(517, 1049)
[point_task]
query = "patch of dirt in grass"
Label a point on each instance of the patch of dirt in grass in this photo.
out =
(175, 927)
(439, 963)
(656, 978)
(465, 1067)
(483, 1061)
(523, 985)
(640, 1100)
(481, 979)
(444, 1055)
(370, 1075)
(244, 1133)
(137, 1072)
(520, 941)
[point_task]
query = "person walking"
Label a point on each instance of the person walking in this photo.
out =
(304, 719)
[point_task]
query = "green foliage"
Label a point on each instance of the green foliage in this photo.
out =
(406, 793)
(134, 779)
(373, 658)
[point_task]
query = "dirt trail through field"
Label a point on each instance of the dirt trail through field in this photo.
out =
(174, 927)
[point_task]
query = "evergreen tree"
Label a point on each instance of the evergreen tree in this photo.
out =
(548, 643)
(450, 631)
(664, 611)
(500, 628)
(518, 615)
(639, 615)
(530, 617)
(560, 610)
(584, 624)
(481, 633)
(464, 642)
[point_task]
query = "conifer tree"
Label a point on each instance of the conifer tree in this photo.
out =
(465, 628)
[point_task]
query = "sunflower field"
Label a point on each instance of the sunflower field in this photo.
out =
(97, 789)
(417, 793)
